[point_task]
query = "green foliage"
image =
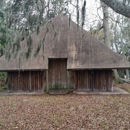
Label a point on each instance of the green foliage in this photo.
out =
(34, 12)
(2, 32)
(3, 75)
(5, 32)
(57, 86)
(20, 18)
(3, 83)
(60, 86)
(3, 87)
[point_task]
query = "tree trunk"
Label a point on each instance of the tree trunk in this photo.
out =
(107, 40)
(119, 79)
(106, 25)
(127, 74)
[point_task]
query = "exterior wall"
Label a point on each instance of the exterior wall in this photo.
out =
(84, 80)
(92, 80)
(26, 81)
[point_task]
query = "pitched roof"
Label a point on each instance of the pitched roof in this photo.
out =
(61, 38)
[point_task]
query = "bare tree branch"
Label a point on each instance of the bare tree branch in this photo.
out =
(118, 6)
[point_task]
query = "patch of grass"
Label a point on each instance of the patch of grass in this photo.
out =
(1, 124)
(127, 89)
(41, 100)
(14, 105)
(105, 126)
(60, 86)
(3, 87)
(57, 118)
(3, 84)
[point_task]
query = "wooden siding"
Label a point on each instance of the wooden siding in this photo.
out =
(26, 81)
(92, 80)
(57, 73)
(60, 78)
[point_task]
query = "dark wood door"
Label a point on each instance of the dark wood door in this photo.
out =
(57, 73)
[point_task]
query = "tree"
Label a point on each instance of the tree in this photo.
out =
(29, 14)
(5, 33)
(108, 42)
(121, 7)
(106, 25)
(24, 17)
(120, 43)
(125, 41)
(2, 33)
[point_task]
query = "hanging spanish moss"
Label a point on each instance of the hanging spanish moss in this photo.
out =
(16, 45)
(27, 54)
(23, 17)
(37, 49)
(69, 20)
(38, 29)
(29, 41)
(1, 51)
(53, 26)
(26, 16)
(8, 52)
(43, 40)
(28, 49)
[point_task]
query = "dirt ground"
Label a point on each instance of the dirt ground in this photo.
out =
(68, 112)
(124, 86)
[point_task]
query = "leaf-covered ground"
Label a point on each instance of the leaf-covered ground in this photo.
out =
(124, 86)
(69, 112)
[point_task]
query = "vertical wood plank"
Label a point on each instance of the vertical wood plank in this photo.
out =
(19, 80)
(75, 80)
(35, 82)
(43, 81)
(30, 85)
(47, 83)
(38, 80)
(9, 85)
(33, 75)
(68, 80)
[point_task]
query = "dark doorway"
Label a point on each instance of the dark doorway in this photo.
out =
(57, 74)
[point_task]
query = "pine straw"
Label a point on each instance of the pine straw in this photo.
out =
(69, 112)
